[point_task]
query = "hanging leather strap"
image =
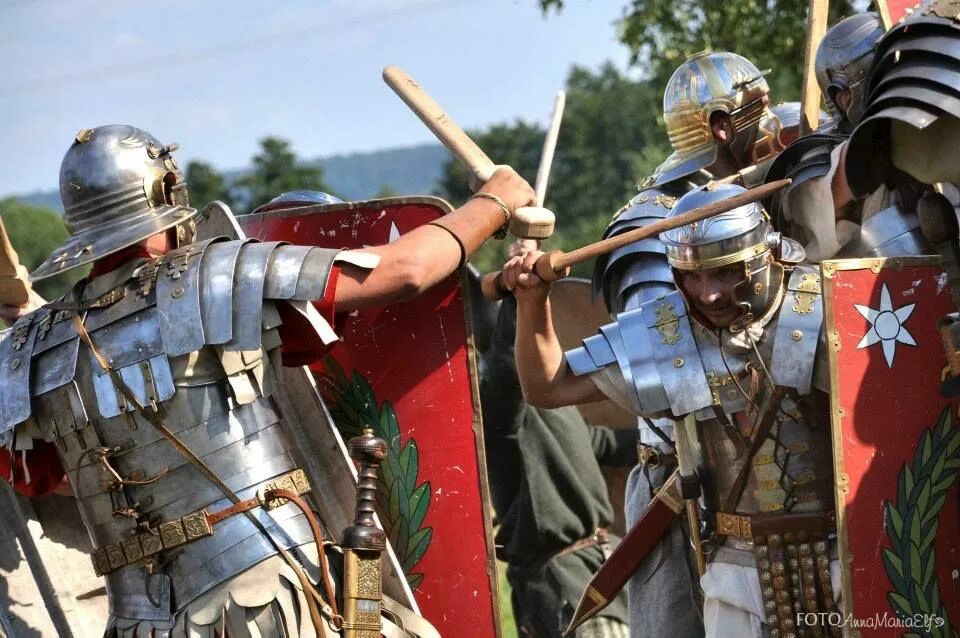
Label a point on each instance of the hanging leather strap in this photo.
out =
(762, 428)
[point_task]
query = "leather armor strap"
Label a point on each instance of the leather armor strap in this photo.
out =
(193, 526)
(599, 537)
(328, 608)
(765, 423)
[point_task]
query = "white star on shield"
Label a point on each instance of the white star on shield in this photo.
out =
(886, 326)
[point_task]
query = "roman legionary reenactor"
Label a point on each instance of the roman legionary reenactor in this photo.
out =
(733, 357)
(155, 387)
(818, 208)
(715, 107)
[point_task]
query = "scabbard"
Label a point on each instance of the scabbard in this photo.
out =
(630, 552)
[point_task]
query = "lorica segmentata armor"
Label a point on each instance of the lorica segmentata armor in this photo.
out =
(658, 361)
(194, 335)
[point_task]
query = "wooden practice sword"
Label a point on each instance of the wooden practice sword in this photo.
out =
(556, 264)
(14, 278)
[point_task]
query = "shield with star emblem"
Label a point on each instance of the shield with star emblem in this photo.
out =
(896, 445)
(408, 371)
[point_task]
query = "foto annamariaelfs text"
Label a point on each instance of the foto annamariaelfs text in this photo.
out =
(885, 620)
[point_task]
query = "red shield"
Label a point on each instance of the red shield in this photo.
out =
(896, 447)
(896, 9)
(408, 371)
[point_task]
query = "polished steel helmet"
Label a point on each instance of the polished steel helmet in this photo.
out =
(119, 185)
(705, 83)
(913, 106)
(739, 236)
(843, 60)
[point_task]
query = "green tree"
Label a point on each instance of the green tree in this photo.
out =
(35, 232)
(206, 184)
(772, 33)
(276, 170)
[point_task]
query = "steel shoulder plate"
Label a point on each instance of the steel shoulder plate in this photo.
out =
(647, 207)
(16, 352)
(802, 151)
(798, 330)
(637, 358)
(888, 233)
(594, 354)
(286, 262)
(178, 299)
(248, 287)
(815, 163)
(217, 268)
(675, 354)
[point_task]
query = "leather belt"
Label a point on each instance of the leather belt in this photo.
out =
(749, 527)
(191, 527)
(599, 537)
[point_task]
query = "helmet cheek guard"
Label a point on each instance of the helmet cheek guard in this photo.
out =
(763, 277)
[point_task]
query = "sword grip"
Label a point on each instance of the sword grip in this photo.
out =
(368, 451)
(363, 543)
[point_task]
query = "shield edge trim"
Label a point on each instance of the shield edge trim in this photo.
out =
(473, 373)
(828, 269)
(437, 202)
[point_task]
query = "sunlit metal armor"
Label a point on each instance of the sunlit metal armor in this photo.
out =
(194, 335)
(888, 225)
(842, 62)
(662, 360)
(706, 83)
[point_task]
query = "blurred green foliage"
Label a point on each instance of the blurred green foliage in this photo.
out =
(35, 232)
(661, 34)
(276, 170)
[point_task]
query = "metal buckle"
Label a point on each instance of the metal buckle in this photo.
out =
(734, 525)
(648, 455)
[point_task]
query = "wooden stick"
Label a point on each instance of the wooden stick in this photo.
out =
(532, 222)
(467, 152)
(14, 278)
(556, 264)
(549, 147)
(816, 27)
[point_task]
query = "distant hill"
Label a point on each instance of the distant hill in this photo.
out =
(413, 170)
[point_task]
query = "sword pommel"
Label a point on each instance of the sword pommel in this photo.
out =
(368, 451)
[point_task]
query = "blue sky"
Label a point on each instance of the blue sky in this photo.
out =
(217, 76)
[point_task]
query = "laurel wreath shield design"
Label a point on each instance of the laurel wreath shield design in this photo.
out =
(912, 522)
(402, 502)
